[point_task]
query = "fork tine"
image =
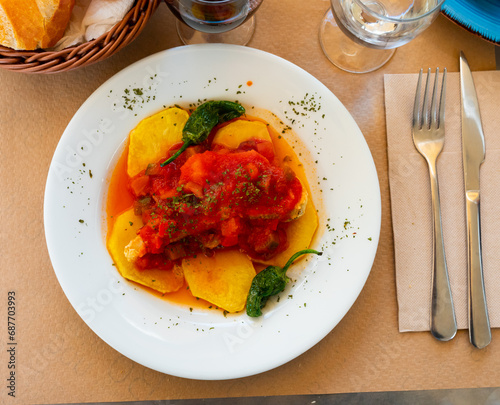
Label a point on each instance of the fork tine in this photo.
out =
(434, 103)
(442, 99)
(416, 106)
(425, 107)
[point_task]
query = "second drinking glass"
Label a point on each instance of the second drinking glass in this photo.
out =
(359, 36)
(214, 21)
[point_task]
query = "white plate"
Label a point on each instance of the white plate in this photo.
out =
(203, 344)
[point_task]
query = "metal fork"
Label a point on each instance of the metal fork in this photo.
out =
(428, 137)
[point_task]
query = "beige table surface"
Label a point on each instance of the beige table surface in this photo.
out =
(60, 359)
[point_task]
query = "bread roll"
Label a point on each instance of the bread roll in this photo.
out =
(33, 24)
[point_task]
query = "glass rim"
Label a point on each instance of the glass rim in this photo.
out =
(394, 19)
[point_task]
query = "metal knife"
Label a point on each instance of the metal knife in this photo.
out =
(473, 150)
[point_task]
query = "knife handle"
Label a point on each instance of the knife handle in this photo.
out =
(479, 324)
(443, 323)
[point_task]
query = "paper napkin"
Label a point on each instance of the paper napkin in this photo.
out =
(92, 18)
(411, 200)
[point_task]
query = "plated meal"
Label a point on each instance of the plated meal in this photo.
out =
(212, 195)
(251, 216)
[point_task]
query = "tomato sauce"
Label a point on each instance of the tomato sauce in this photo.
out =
(184, 298)
(119, 197)
(214, 199)
(207, 199)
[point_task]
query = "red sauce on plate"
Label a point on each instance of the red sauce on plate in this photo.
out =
(208, 199)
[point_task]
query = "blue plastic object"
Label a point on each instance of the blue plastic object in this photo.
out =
(481, 17)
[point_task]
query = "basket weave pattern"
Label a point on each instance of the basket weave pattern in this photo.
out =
(41, 61)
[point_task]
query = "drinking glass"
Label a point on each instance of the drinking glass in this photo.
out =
(360, 36)
(214, 21)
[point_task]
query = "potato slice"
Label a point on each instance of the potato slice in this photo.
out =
(124, 230)
(153, 137)
(237, 132)
(224, 279)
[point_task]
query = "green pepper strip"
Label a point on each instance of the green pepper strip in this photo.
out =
(270, 281)
(203, 120)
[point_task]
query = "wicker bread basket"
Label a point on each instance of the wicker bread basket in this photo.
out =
(41, 61)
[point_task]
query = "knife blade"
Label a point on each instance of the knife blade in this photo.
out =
(473, 149)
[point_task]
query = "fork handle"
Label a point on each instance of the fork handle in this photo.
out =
(443, 322)
(479, 324)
